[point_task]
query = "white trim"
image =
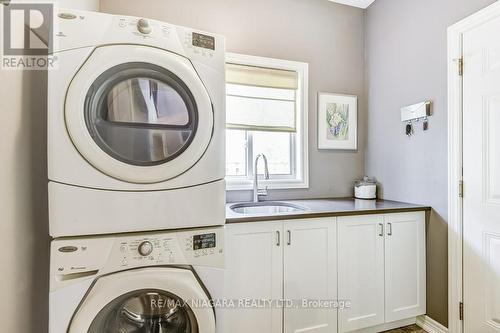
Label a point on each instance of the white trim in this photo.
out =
(388, 326)
(302, 149)
(355, 3)
(455, 231)
(430, 325)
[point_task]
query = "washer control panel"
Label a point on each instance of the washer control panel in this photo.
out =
(178, 248)
(203, 247)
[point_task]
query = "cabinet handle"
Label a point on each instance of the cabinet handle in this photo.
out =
(278, 237)
(389, 229)
(381, 232)
(289, 242)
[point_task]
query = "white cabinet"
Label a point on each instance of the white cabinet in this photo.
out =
(404, 266)
(375, 262)
(361, 271)
(310, 262)
(254, 268)
(265, 260)
(381, 269)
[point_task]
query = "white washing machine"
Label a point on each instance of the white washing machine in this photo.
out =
(136, 119)
(151, 282)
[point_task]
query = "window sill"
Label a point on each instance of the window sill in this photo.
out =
(278, 184)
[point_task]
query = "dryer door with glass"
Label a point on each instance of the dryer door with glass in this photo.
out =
(149, 300)
(139, 114)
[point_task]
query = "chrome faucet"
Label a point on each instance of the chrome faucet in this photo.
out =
(257, 192)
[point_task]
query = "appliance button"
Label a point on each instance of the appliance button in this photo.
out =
(145, 248)
(143, 26)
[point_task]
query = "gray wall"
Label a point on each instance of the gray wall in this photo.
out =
(406, 63)
(327, 36)
(24, 229)
(23, 203)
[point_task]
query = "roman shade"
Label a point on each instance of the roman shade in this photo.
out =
(261, 99)
(261, 76)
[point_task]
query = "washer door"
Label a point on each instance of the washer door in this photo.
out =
(151, 300)
(139, 114)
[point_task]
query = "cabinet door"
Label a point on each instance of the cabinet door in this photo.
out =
(254, 271)
(311, 275)
(404, 266)
(361, 271)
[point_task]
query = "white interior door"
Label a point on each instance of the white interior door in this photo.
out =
(254, 264)
(361, 271)
(481, 168)
(310, 274)
(404, 266)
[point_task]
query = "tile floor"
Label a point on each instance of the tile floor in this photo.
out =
(407, 329)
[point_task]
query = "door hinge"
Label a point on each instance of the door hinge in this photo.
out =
(461, 188)
(461, 310)
(461, 66)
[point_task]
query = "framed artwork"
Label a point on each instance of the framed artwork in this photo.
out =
(337, 121)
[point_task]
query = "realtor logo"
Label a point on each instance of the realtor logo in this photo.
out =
(27, 28)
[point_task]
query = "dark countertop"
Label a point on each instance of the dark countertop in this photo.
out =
(328, 208)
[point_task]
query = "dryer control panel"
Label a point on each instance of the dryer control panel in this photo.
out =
(196, 247)
(77, 29)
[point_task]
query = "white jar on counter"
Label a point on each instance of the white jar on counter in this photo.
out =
(365, 189)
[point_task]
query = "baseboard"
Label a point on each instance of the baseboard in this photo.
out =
(387, 326)
(430, 325)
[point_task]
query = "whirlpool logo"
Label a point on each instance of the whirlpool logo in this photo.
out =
(27, 31)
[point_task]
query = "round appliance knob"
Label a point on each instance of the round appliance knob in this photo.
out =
(145, 248)
(143, 26)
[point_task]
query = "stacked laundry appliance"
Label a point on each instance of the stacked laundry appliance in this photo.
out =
(136, 150)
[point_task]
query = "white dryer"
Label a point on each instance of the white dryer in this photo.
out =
(136, 119)
(151, 282)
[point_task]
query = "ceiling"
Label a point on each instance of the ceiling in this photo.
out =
(355, 3)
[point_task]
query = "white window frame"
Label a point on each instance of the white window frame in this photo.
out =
(301, 153)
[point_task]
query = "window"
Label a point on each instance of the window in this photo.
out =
(266, 103)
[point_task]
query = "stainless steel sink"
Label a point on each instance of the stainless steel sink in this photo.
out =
(266, 208)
